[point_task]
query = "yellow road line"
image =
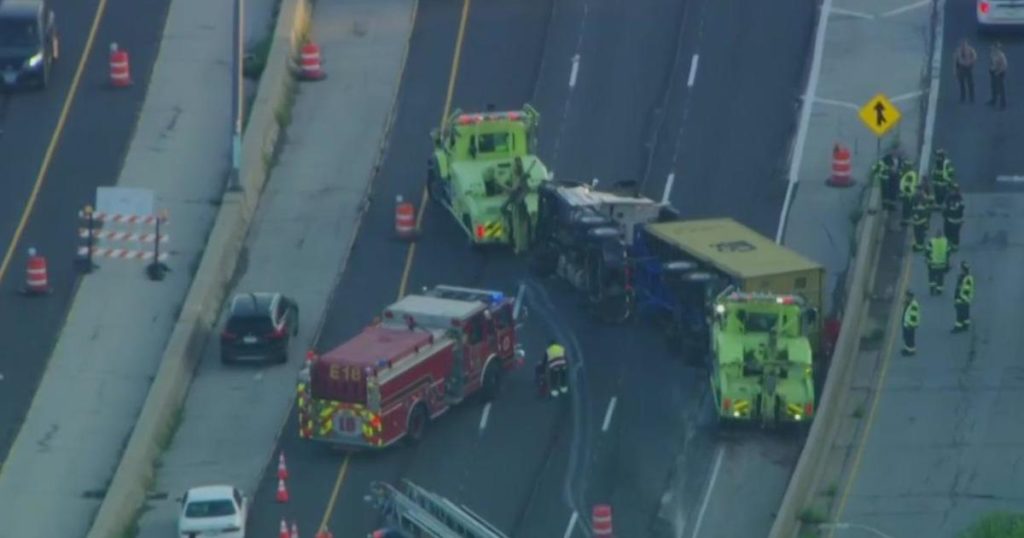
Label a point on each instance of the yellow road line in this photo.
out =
(54, 140)
(334, 493)
(453, 76)
(411, 253)
(895, 323)
(45, 166)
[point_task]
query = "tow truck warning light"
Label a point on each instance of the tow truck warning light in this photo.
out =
(470, 119)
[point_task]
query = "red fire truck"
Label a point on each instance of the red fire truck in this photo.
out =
(425, 353)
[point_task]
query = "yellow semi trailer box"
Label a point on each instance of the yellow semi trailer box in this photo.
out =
(754, 262)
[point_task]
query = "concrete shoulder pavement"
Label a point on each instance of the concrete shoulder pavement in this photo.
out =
(941, 447)
(876, 46)
(116, 330)
(304, 228)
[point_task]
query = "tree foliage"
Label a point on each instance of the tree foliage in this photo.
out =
(997, 525)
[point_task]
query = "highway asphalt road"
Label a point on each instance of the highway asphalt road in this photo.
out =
(56, 146)
(533, 462)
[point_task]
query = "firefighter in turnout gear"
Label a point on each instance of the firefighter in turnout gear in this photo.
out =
(882, 174)
(964, 294)
(557, 368)
(937, 256)
(953, 217)
(929, 196)
(908, 187)
(911, 319)
(920, 219)
(942, 177)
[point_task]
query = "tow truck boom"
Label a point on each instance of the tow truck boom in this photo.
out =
(428, 514)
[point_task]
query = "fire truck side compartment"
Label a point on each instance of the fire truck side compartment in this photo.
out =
(344, 367)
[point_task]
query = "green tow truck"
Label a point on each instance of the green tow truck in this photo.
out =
(763, 367)
(762, 304)
(485, 173)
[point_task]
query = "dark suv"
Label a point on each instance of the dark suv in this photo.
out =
(259, 326)
(28, 43)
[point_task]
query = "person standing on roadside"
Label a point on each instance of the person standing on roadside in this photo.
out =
(963, 297)
(964, 59)
(997, 76)
(911, 319)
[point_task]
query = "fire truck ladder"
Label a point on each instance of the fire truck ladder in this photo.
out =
(428, 514)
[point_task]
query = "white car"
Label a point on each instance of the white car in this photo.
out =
(1000, 13)
(213, 511)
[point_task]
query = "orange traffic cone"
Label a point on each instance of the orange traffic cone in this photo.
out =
(36, 281)
(601, 520)
(120, 72)
(324, 533)
(309, 63)
(282, 492)
(842, 170)
(282, 470)
(283, 533)
(310, 357)
(405, 218)
(295, 530)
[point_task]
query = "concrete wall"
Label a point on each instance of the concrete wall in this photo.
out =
(160, 414)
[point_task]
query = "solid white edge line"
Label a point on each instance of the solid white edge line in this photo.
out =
(833, 102)
(483, 417)
(575, 71)
(668, 187)
(933, 91)
(805, 116)
(608, 414)
(906, 96)
(693, 70)
(905, 8)
(707, 493)
(572, 525)
(851, 13)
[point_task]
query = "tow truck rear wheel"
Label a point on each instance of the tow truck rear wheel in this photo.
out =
(418, 419)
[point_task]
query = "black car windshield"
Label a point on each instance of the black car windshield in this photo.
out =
(18, 33)
(218, 508)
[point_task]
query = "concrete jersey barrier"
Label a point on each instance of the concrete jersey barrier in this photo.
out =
(815, 451)
(160, 413)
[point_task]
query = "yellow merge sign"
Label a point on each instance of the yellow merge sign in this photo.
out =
(880, 115)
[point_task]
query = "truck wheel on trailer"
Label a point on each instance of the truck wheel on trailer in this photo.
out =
(491, 384)
(417, 425)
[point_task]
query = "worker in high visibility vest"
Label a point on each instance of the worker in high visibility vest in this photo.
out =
(962, 298)
(942, 176)
(908, 188)
(883, 174)
(921, 217)
(557, 367)
(953, 217)
(911, 319)
(937, 256)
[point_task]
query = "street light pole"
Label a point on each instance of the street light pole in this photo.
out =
(858, 526)
(237, 96)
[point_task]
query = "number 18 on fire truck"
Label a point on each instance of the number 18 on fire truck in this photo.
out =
(425, 353)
